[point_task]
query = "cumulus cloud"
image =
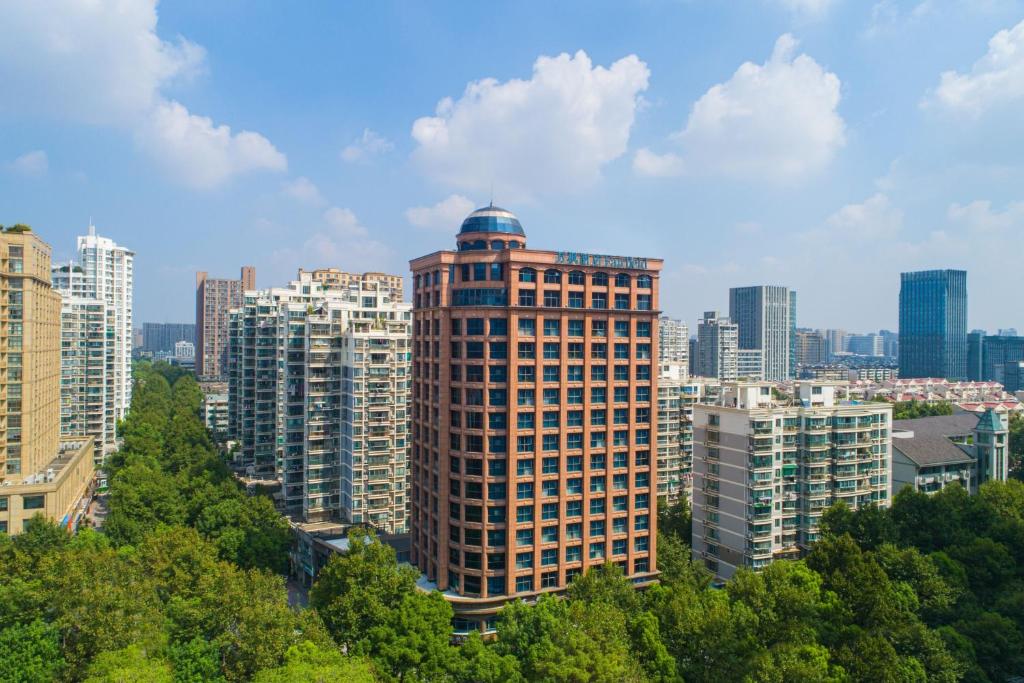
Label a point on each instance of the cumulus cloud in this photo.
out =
(366, 146)
(201, 154)
(104, 64)
(31, 164)
(775, 121)
(874, 217)
(445, 216)
(979, 217)
(303, 190)
(995, 79)
(551, 133)
(648, 163)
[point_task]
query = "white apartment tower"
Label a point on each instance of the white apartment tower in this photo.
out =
(318, 389)
(765, 471)
(766, 319)
(105, 272)
(717, 345)
(673, 341)
(87, 373)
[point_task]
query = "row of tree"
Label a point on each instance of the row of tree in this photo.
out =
(931, 589)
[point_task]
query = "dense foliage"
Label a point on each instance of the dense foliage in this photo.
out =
(909, 410)
(183, 585)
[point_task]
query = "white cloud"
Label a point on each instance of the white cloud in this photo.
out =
(303, 190)
(340, 241)
(103, 64)
(445, 216)
(807, 8)
(775, 121)
(201, 154)
(979, 217)
(648, 163)
(367, 145)
(873, 218)
(31, 164)
(549, 134)
(995, 79)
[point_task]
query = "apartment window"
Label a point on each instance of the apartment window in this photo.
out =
(621, 394)
(573, 553)
(551, 397)
(550, 465)
(641, 523)
(524, 583)
(574, 373)
(574, 395)
(524, 537)
(550, 418)
(498, 350)
(551, 373)
(37, 502)
(574, 463)
(549, 442)
(552, 276)
(643, 415)
(497, 271)
(552, 351)
(456, 327)
(622, 302)
(574, 531)
(622, 352)
(641, 501)
(598, 300)
(552, 298)
(640, 544)
(575, 328)
(597, 484)
(526, 397)
(527, 297)
(598, 395)
(479, 271)
(496, 514)
(575, 351)
(597, 551)
(643, 329)
(599, 351)
(526, 373)
(620, 482)
(524, 561)
(474, 326)
(598, 440)
(549, 511)
(527, 327)
(524, 490)
(643, 373)
(574, 486)
(599, 279)
(527, 275)
(622, 328)
(643, 302)
(619, 546)
(599, 328)
(525, 420)
(524, 444)
(524, 514)
(574, 508)
(599, 373)
(575, 299)
(576, 277)
(552, 327)
(620, 504)
(497, 397)
(621, 373)
(498, 373)
(620, 460)
(597, 527)
(643, 282)
(527, 350)
(597, 506)
(549, 580)
(549, 488)
(573, 441)
(643, 480)
(597, 461)
(549, 534)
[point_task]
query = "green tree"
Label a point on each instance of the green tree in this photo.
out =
(30, 653)
(308, 663)
(132, 664)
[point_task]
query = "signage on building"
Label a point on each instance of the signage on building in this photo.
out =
(601, 260)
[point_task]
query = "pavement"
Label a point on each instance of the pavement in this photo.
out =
(97, 512)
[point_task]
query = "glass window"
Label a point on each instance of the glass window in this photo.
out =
(574, 418)
(524, 561)
(621, 373)
(621, 280)
(524, 513)
(574, 486)
(552, 298)
(575, 299)
(37, 502)
(525, 420)
(599, 328)
(479, 271)
(599, 279)
(524, 537)
(552, 327)
(550, 465)
(526, 397)
(574, 396)
(574, 463)
(644, 282)
(574, 373)
(498, 373)
(598, 395)
(643, 329)
(551, 397)
(524, 584)
(499, 327)
(550, 418)
(549, 442)
(527, 327)
(552, 276)
(599, 373)
(524, 444)
(552, 351)
(527, 350)
(497, 271)
(526, 373)
(549, 511)
(574, 553)
(622, 302)
(527, 298)
(597, 506)
(643, 302)
(527, 275)
(549, 488)
(474, 326)
(599, 300)
(575, 328)
(577, 277)
(574, 508)
(524, 466)
(548, 557)
(524, 490)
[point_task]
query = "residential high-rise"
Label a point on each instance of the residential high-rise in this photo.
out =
(534, 413)
(765, 472)
(866, 344)
(716, 348)
(318, 398)
(836, 343)
(157, 337)
(87, 372)
(38, 473)
(105, 271)
(214, 298)
(765, 317)
(673, 341)
(749, 364)
(811, 348)
(332, 278)
(890, 343)
(933, 324)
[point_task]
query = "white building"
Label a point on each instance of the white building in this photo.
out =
(184, 349)
(764, 471)
(105, 271)
(765, 317)
(319, 383)
(86, 375)
(673, 341)
(717, 346)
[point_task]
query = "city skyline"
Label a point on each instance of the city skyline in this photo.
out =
(338, 168)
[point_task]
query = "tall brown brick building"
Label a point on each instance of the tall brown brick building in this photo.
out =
(214, 298)
(534, 416)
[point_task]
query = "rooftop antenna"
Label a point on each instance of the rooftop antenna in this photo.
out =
(92, 228)
(491, 204)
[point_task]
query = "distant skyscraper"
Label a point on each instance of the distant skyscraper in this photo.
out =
(158, 337)
(1007, 332)
(990, 357)
(673, 340)
(933, 324)
(105, 271)
(866, 344)
(214, 298)
(716, 348)
(810, 348)
(836, 342)
(766, 320)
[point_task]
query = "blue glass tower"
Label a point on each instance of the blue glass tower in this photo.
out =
(933, 324)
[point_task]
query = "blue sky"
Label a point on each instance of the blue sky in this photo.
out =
(821, 144)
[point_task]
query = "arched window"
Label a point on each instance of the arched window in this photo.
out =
(644, 282)
(418, 279)
(599, 279)
(480, 244)
(552, 276)
(527, 275)
(515, 245)
(622, 280)
(497, 245)
(577, 277)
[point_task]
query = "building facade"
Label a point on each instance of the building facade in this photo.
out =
(534, 410)
(215, 297)
(749, 364)
(37, 473)
(87, 373)
(866, 345)
(765, 472)
(673, 341)
(811, 348)
(318, 398)
(332, 278)
(765, 318)
(989, 357)
(716, 348)
(106, 271)
(157, 337)
(933, 324)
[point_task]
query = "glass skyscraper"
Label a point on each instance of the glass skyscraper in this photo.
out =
(933, 324)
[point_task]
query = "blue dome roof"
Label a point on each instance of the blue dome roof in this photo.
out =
(492, 219)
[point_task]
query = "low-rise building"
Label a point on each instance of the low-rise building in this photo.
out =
(930, 453)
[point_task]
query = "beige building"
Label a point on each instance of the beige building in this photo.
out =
(332, 278)
(215, 297)
(37, 473)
